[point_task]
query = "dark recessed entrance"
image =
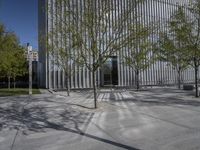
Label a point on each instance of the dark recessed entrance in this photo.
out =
(110, 71)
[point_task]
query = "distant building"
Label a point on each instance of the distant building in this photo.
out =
(35, 72)
(114, 72)
(34, 55)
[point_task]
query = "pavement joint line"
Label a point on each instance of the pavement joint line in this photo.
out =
(157, 118)
(86, 124)
(182, 107)
(171, 122)
(102, 130)
(12, 146)
(175, 106)
(18, 129)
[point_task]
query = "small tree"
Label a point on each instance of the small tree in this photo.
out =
(140, 56)
(63, 60)
(59, 40)
(87, 30)
(172, 51)
(96, 37)
(187, 28)
(193, 42)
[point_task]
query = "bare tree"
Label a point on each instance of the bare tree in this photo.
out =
(92, 31)
(58, 41)
(98, 37)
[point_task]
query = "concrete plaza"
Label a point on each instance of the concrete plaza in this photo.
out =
(152, 119)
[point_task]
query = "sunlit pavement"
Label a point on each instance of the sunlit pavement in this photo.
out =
(153, 119)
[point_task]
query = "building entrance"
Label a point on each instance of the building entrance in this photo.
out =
(110, 71)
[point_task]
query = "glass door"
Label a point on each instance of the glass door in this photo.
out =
(110, 71)
(114, 71)
(107, 72)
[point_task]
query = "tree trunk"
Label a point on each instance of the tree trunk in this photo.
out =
(137, 80)
(94, 88)
(14, 82)
(68, 86)
(9, 83)
(196, 81)
(179, 79)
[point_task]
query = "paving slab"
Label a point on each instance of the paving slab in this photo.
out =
(152, 119)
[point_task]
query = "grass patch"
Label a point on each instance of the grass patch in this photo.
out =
(17, 91)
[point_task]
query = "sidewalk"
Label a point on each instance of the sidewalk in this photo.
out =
(153, 119)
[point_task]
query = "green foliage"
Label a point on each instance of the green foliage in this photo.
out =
(140, 55)
(181, 44)
(187, 31)
(19, 68)
(13, 61)
(193, 42)
(172, 45)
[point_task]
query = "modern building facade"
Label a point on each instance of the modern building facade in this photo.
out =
(114, 71)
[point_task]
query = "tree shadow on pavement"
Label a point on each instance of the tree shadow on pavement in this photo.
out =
(157, 97)
(37, 118)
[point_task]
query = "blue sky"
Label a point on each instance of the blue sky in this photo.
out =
(20, 16)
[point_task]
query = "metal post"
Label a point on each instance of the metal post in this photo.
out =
(30, 67)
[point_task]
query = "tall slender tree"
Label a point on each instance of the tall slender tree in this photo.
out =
(186, 25)
(141, 54)
(171, 48)
(170, 51)
(93, 36)
(193, 39)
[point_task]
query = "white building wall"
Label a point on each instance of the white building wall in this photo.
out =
(158, 73)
